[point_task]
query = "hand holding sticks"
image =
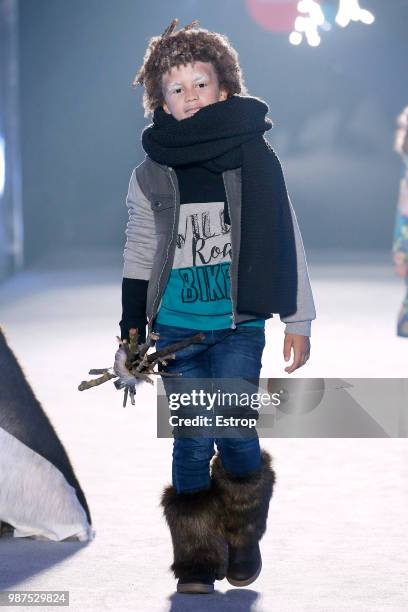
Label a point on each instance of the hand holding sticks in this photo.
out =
(134, 365)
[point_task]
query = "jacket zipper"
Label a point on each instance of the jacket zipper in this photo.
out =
(170, 170)
(233, 326)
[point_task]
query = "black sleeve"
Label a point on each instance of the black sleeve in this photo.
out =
(134, 293)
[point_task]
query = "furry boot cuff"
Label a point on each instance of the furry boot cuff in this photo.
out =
(245, 500)
(197, 532)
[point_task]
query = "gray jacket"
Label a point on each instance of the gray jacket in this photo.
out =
(153, 203)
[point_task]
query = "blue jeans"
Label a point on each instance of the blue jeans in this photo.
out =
(225, 353)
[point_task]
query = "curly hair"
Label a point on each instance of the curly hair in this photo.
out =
(188, 45)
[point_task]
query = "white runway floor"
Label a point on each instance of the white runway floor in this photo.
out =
(337, 536)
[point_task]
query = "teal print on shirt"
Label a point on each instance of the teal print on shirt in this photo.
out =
(197, 293)
(205, 283)
(199, 282)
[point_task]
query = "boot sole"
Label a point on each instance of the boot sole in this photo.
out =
(242, 583)
(195, 587)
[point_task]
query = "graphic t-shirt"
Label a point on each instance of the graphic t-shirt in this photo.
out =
(198, 291)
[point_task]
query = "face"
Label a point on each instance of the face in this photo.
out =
(188, 88)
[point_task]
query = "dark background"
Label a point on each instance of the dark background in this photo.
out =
(333, 106)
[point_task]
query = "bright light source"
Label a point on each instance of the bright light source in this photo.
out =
(313, 40)
(295, 38)
(366, 17)
(300, 24)
(311, 19)
(350, 10)
(312, 8)
(2, 166)
(342, 20)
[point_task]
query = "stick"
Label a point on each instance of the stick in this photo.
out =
(88, 384)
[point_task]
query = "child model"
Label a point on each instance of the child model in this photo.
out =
(400, 244)
(212, 245)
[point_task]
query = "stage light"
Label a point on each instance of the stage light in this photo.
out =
(350, 10)
(295, 38)
(311, 18)
(313, 9)
(306, 19)
(300, 24)
(314, 39)
(366, 17)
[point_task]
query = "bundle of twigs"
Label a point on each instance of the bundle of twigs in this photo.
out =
(133, 364)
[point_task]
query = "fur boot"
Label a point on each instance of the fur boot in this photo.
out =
(245, 504)
(197, 532)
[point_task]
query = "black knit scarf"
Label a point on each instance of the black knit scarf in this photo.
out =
(230, 134)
